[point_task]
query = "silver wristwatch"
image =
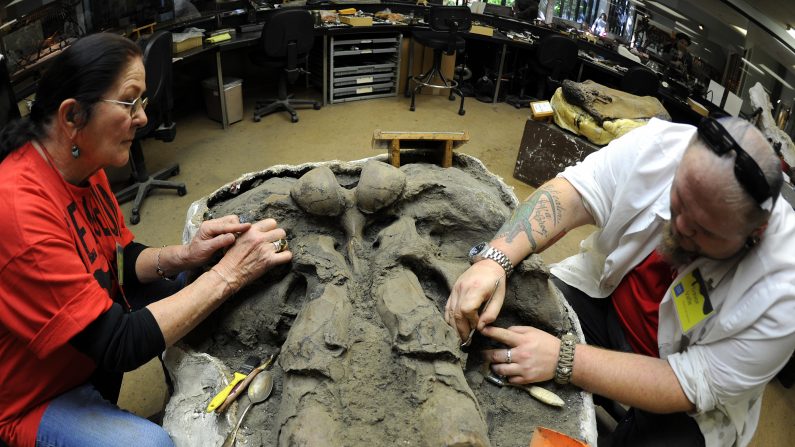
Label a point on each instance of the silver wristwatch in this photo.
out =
(565, 358)
(483, 251)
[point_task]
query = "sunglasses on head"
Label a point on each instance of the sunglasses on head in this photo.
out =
(747, 172)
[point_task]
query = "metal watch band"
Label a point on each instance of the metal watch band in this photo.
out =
(500, 258)
(565, 358)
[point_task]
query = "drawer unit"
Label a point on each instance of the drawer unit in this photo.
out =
(363, 67)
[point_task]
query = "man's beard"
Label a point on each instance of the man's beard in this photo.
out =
(670, 247)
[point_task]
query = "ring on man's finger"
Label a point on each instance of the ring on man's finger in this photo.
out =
(508, 356)
(280, 245)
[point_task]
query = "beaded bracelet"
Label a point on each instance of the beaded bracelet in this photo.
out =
(159, 269)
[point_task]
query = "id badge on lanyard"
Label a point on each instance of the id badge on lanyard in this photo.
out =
(691, 300)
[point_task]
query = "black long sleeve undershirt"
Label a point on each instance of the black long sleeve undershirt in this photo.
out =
(120, 341)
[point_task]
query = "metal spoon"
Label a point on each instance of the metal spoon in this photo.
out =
(259, 390)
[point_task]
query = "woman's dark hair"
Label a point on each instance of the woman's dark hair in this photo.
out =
(85, 71)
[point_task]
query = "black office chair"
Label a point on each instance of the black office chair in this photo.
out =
(286, 40)
(9, 110)
(157, 62)
(640, 81)
(445, 23)
(556, 57)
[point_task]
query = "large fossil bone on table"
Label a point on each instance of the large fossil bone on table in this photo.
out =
(365, 355)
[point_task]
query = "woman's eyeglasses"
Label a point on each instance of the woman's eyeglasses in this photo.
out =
(138, 104)
(747, 172)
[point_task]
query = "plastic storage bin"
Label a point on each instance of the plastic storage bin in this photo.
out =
(233, 95)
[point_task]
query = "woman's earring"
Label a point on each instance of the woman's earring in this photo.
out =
(75, 151)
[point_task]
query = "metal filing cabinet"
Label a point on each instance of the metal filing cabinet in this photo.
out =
(363, 67)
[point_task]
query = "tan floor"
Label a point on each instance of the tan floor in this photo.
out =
(210, 157)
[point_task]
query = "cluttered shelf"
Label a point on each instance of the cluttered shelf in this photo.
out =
(224, 30)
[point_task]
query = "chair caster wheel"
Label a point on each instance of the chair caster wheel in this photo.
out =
(294, 119)
(175, 171)
(316, 106)
(462, 112)
(181, 191)
(256, 119)
(411, 108)
(451, 98)
(135, 218)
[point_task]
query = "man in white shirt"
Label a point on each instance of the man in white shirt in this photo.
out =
(689, 281)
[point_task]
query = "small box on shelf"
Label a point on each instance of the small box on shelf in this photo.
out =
(187, 44)
(483, 30)
(357, 21)
(541, 110)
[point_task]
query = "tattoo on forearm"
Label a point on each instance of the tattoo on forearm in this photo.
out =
(537, 217)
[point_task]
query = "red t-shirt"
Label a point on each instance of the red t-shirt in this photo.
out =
(637, 302)
(57, 274)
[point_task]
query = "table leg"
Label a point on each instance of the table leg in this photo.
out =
(325, 69)
(499, 73)
(221, 94)
(410, 68)
(447, 159)
(394, 153)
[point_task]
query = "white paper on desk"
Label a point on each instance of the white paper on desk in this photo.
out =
(715, 92)
(733, 104)
(187, 34)
(477, 7)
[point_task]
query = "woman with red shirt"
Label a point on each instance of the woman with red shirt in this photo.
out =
(76, 307)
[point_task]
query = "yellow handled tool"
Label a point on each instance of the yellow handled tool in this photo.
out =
(247, 367)
(241, 388)
(347, 11)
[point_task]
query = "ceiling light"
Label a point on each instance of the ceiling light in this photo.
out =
(667, 10)
(700, 27)
(791, 31)
(748, 63)
(742, 31)
(681, 26)
(776, 77)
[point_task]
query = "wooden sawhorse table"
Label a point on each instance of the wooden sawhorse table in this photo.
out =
(395, 140)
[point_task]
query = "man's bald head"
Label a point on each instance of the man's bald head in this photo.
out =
(717, 176)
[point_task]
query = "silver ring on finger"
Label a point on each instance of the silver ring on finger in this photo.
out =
(508, 356)
(280, 245)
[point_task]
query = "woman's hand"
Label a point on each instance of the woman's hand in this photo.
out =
(213, 235)
(253, 253)
(471, 290)
(533, 354)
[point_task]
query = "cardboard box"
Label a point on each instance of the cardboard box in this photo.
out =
(697, 107)
(357, 21)
(187, 44)
(480, 29)
(541, 110)
(423, 60)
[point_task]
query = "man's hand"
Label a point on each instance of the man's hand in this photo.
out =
(470, 291)
(534, 353)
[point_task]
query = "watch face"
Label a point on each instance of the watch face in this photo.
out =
(476, 249)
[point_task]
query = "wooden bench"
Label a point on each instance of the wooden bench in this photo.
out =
(394, 141)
